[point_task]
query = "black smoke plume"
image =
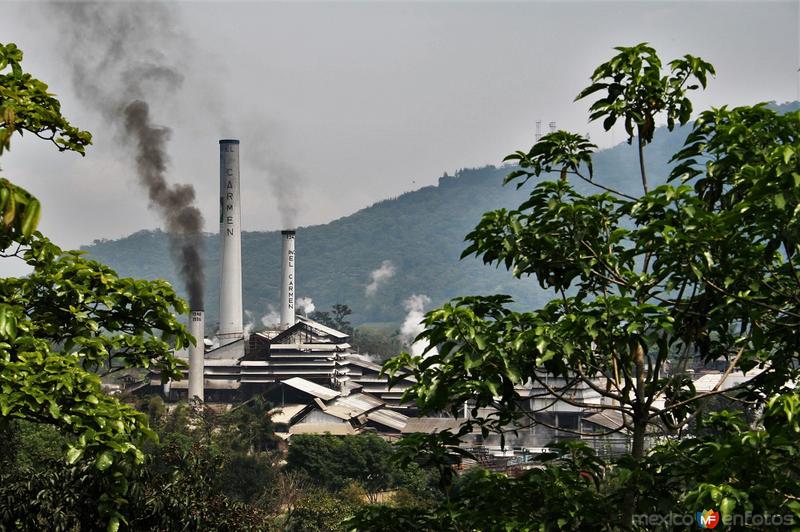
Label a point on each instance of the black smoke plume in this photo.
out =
(115, 52)
(174, 203)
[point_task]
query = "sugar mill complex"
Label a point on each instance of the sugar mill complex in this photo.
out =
(317, 382)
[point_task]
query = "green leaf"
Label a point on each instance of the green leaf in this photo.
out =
(104, 461)
(726, 506)
(471, 360)
(541, 344)
(788, 152)
(73, 454)
(480, 341)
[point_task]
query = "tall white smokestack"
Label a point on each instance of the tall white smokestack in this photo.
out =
(287, 280)
(197, 355)
(230, 230)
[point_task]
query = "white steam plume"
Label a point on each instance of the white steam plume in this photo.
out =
(272, 318)
(380, 276)
(412, 325)
(250, 325)
(367, 357)
(306, 304)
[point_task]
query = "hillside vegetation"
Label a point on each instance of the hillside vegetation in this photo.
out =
(420, 232)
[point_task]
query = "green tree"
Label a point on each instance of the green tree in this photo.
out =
(336, 318)
(380, 342)
(334, 461)
(320, 511)
(174, 489)
(645, 283)
(251, 426)
(72, 318)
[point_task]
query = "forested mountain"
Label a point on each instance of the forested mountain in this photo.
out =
(420, 232)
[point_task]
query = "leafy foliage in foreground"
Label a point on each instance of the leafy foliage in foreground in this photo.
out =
(645, 286)
(207, 471)
(333, 462)
(187, 482)
(73, 318)
(732, 468)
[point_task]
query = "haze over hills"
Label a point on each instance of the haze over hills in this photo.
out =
(421, 233)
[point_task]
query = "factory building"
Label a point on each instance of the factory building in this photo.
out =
(311, 374)
(298, 349)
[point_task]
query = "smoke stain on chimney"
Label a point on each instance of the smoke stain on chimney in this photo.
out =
(115, 55)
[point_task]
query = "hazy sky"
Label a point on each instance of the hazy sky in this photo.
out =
(357, 102)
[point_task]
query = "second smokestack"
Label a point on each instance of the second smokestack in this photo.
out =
(287, 279)
(197, 354)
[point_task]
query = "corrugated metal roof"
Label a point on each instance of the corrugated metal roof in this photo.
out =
(285, 413)
(310, 347)
(612, 420)
(234, 350)
(208, 384)
(349, 407)
(278, 356)
(214, 362)
(323, 328)
(342, 412)
(359, 401)
(312, 388)
(359, 360)
(269, 334)
(429, 425)
(336, 429)
(302, 362)
(283, 361)
(707, 382)
(608, 419)
(389, 418)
